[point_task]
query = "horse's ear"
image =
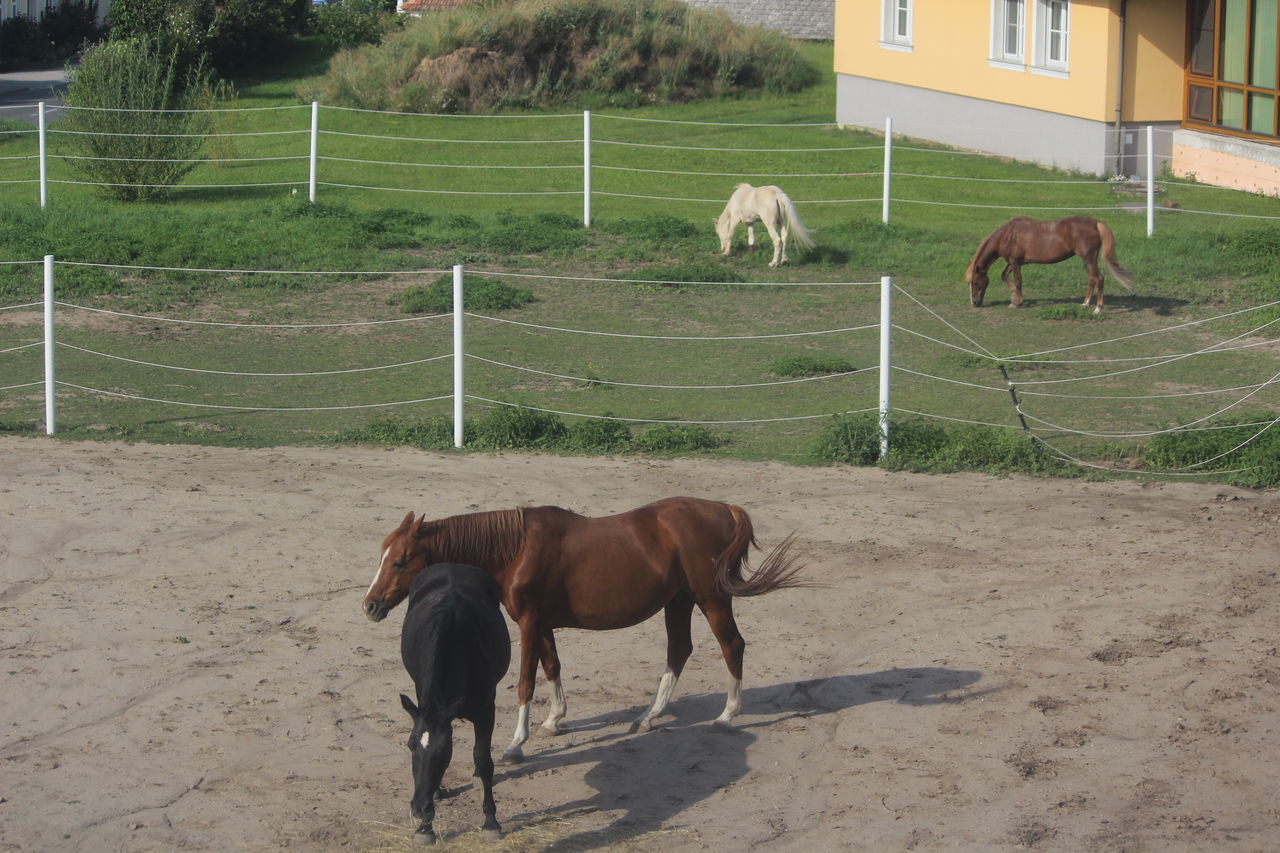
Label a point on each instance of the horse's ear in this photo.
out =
(408, 519)
(426, 528)
(408, 705)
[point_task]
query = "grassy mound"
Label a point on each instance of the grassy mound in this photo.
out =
(539, 53)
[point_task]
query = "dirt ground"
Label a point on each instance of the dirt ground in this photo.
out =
(993, 664)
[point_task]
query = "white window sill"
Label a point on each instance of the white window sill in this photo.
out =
(1056, 73)
(1007, 64)
(893, 45)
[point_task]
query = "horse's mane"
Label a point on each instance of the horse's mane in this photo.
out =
(486, 539)
(984, 252)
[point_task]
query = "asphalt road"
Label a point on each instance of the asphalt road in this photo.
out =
(22, 91)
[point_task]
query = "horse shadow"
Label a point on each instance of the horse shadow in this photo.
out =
(1161, 306)
(688, 761)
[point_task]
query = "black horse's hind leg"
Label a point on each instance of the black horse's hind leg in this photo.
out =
(439, 754)
(678, 612)
(483, 726)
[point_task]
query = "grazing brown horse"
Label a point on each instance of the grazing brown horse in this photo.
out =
(558, 569)
(1028, 241)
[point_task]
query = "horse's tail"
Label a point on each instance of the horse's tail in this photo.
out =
(804, 236)
(1108, 253)
(778, 571)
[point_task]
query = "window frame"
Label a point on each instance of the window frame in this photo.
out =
(1211, 86)
(1000, 23)
(890, 36)
(1044, 33)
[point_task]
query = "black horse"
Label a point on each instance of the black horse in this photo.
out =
(456, 648)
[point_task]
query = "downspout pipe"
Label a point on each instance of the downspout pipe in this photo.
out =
(1119, 167)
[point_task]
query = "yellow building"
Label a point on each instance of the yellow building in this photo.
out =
(1073, 83)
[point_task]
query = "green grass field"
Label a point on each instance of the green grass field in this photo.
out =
(426, 218)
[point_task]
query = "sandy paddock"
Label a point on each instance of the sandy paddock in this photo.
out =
(994, 664)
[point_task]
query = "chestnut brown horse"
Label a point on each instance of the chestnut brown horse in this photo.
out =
(1028, 241)
(558, 569)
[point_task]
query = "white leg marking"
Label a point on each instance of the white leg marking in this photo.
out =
(378, 573)
(514, 752)
(663, 698)
(732, 704)
(559, 710)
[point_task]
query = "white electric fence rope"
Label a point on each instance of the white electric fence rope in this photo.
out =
(589, 380)
(249, 373)
(253, 408)
(666, 420)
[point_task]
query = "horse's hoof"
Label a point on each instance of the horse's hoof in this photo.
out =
(512, 756)
(491, 834)
(642, 725)
(722, 725)
(424, 837)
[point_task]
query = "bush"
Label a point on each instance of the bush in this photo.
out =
(70, 26)
(120, 88)
(434, 433)
(21, 43)
(676, 438)
(919, 445)
(596, 435)
(478, 294)
(517, 428)
(352, 23)
(223, 33)
(1236, 445)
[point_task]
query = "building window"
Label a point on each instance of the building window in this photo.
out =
(1232, 50)
(895, 23)
(1052, 29)
(1008, 31)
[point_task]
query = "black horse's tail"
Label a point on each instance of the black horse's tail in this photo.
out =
(778, 571)
(1108, 254)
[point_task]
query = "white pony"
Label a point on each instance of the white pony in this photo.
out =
(749, 205)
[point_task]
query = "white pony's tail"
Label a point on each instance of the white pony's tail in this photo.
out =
(803, 236)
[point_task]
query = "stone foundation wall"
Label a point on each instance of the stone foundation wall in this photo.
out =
(804, 19)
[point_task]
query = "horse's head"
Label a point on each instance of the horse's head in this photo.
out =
(977, 281)
(404, 554)
(724, 230)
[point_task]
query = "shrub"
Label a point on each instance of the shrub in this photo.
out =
(123, 89)
(21, 43)
(676, 438)
(435, 433)
(352, 23)
(596, 435)
(1236, 445)
(518, 428)
(478, 294)
(849, 439)
(223, 33)
(70, 26)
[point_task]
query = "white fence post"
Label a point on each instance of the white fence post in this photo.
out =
(886, 326)
(586, 168)
(1151, 181)
(315, 132)
(458, 399)
(44, 161)
(50, 424)
(888, 167)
